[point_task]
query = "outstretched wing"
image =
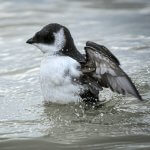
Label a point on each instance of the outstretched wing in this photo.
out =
(104, 67)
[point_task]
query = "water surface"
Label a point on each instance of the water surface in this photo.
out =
(26, 122)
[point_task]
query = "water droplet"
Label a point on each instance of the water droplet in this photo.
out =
(102, 114)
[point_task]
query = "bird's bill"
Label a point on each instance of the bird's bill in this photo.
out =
(30, 41)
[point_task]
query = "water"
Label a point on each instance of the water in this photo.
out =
(26, 122)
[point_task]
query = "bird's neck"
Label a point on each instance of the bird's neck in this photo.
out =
(71, 51)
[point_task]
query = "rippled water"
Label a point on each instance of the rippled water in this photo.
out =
(26, 123)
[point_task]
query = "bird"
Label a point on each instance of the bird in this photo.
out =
(67, 75)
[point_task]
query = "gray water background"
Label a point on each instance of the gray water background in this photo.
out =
(26, 122)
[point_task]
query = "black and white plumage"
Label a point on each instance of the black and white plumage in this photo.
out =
(68, 76)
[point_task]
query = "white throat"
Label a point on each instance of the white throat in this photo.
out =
(58, 44)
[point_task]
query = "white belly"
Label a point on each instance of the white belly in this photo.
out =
(55, 78)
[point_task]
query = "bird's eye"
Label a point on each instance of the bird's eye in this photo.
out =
(48, 38)
(44, 37)
(52, 37)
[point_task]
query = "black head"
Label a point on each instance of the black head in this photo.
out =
(46, 34)
(52, 37)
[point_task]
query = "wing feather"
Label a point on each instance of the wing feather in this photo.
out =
(107, 70)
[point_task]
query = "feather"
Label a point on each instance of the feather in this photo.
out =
(106, 70)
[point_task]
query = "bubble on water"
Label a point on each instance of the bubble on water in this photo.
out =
(95, 129)
(74, 79)
(101, 114)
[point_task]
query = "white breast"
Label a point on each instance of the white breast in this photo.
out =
(55, 77)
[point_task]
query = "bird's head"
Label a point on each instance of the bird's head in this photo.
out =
(52, 38)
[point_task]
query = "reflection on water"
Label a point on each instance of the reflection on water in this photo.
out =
(123, 26)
